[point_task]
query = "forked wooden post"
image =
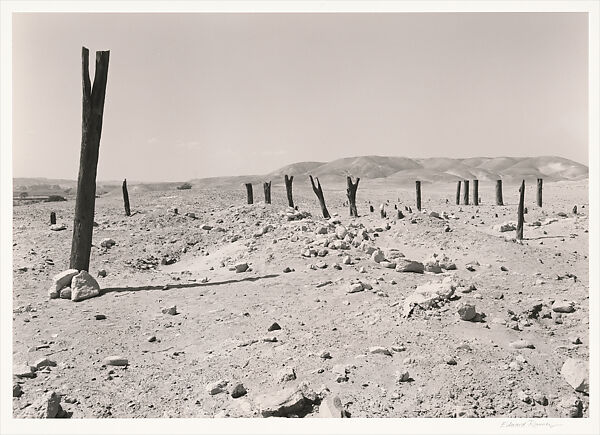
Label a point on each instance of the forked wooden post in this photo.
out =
(288, 189)
(418, 189)
(499, 200)
(267, 189)
(319, 192)
(521, 211)
(52, 218)
(540, 181)
(466, 193)
(91, 130)
(458, 192)
(126, 198)
(351, 193)
(476, 192)
(249, 193)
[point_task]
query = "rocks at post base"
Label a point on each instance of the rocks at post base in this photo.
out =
(84, 286)
(61, 281)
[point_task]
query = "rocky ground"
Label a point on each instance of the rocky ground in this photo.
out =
(323, 321)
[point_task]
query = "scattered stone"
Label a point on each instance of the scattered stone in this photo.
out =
(172, 310)
(378, 256)
(380, 349)
(524, 397)
(216, 387)
(286, 374)
(427, 296)
(404, 265)
(563, 307)
(107, 243)
(541, 399)
(238, 391)
(241, 267)
(24, 371)
(514, 365)
(44, 362)
(341, 372)
(102, 273)
(66, 293)
(151, 339)
(58, 227)
(100, 317)
(274, 327)
(355, 287)
(288, 402)
(332, 407)
(17, 390)
(575, 372)
(325, 354)
(84, 286)
(573, 406)
(115, 360)
(46, 406)
(402, 375)
(449, 360)
(288, 270)
(521, 344)
(467, 312)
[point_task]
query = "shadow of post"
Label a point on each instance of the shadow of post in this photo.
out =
(180, 286)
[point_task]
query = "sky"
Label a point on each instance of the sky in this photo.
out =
(203, 95)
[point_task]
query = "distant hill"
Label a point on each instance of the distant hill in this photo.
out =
(393, 170)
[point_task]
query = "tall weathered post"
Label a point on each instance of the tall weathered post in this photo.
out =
(499, 200)
(351, 193)
(521, 217)
(249, 193)
(466, 192)
(288, 189)
(91, 130)
(458, 192)
(126, 198)
(539, 191)
(267, 189)
(52, 218)
(476, 192)
(319, 192)
(418, 189)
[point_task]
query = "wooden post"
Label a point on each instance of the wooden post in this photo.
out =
(249, 192)
(288, 189)
(371, 209)
(52, 218)
(466, 193)
(458, 192)
(418, 188)
(476, 192)
(521, 218)
(351, 193)
(267, 189)
(91, 130)
(499, 200)
(319, 192)
(126, 198)
(539, 191)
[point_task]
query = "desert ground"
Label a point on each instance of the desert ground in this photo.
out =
(341, 347)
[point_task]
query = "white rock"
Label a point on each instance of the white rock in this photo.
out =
(61, 281)
(563, 307)
(58, 227)
(575, 372)
(378, 256)
(84, 286)
(404, 265)
(115, 360)
(65, 293)
(216, 387)
(340, 231)
(355, 287)
(380, 349)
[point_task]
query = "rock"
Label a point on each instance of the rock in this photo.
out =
(115, 360)
(61, 281)
(288, 270)
(24, 371)
(287, 402)
(404, 265)
(84, 286)
(378, 256)
(541, 399)
(102, 273)
(340, 231)
(207, 227)
(563, 307)
(427, 295)
(325, 354)
(380, 349)
(388, 264)
(467, 312)
(216, 387)
(286, 374)
(341, 372)
(47, 406)
(347, 260)
(17, 390)
(172, 310)
(355, 287)
(191, 215)
(434, 214)
(332, 407)
(66, 293)
(504, 227)
(524, 397)
(107, 243)
(58, 227)
(151, 339)
(514, 365)
(402, 375)
(572, 406)
(521, 344)
(100, 317)
(449, 360)
(241, 267)
(44, 362)
(321, 230)
(238, 391)
(575, 372)
(274, 327)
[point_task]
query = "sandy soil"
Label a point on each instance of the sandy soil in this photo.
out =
(224, 316)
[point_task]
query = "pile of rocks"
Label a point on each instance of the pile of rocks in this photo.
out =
(75, 285)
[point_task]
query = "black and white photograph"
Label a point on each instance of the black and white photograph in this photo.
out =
(300, 217)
